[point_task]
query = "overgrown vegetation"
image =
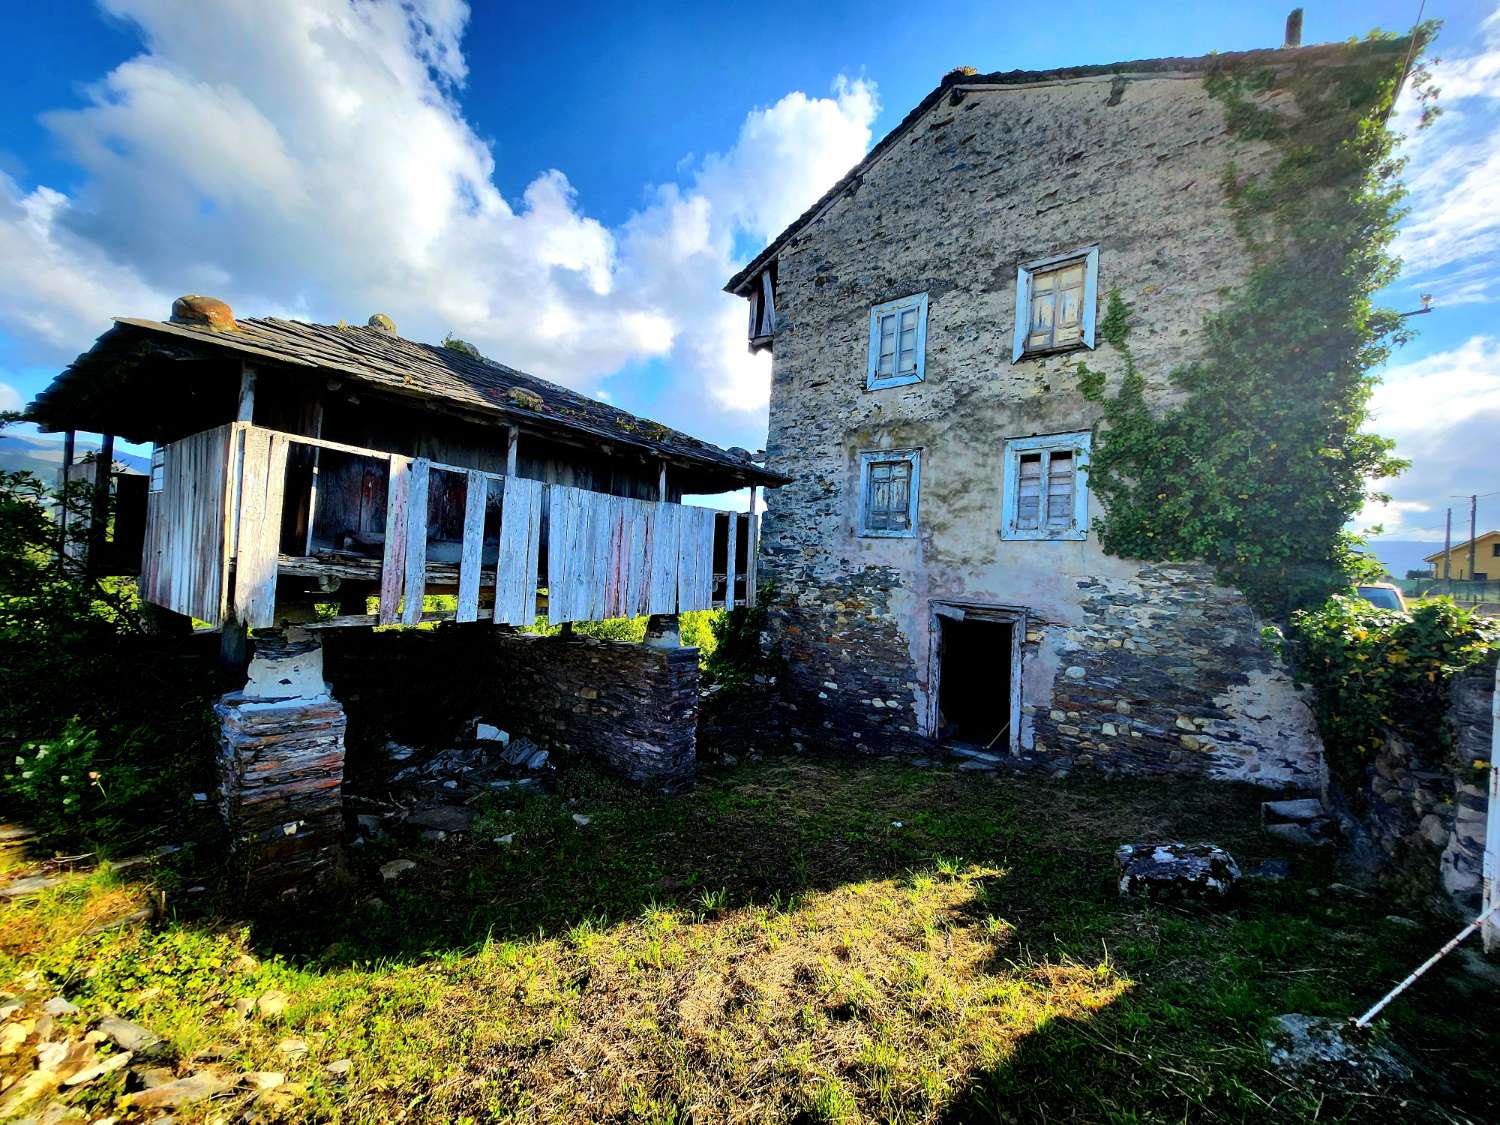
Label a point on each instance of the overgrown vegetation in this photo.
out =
(1374, 670)
(104, 729)
(794, 941)
(1261, 464)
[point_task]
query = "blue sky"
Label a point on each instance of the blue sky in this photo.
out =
(568, 186)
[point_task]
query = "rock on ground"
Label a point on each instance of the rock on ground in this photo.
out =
(1330, 1051)
(1176, 872)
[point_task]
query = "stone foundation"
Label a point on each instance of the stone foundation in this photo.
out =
(631, 707)
(1159, 672)
(281, 768)
(1424, 816)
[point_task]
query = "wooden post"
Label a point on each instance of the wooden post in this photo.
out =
(99, 508)
(246, 412)
(752, 549)
(661, 481)
(512, 436)
(62, 508)
(312, 488)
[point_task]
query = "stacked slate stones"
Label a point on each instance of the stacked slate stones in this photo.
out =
(281, 766)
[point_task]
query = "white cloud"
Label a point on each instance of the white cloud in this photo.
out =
(1452, 235)
(309, 158)
(10, 398)
(1444, 412)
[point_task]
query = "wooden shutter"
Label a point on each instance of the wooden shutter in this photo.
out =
(1023, 312)
(1029, 492)
(1060, 484)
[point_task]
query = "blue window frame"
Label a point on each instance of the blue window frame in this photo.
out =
(889, 481)
(1056, 301)
(898, 343)
(1046, 494)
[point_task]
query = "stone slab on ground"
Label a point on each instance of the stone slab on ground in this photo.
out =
(1176, 872)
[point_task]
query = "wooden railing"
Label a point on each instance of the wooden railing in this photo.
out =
(214, 540)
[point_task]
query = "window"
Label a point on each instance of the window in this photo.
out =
(158, 467)
(1495, 550)
(888, 483)
(898, 343)
(1046, 487)
(1055, 303)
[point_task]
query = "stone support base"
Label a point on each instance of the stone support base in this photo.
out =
(281, 768)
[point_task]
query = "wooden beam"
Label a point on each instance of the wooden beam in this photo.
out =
(512, 437)
(312, 488)
(752, 549)
(661, 481)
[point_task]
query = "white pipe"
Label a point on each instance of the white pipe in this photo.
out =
(1364, 1020)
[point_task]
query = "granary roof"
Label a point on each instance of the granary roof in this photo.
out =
(403, 367)
(964, 79)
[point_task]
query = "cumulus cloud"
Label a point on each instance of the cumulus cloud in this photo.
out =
(309, 158)
(10, 398)
(1443, 411)
(1450, 240)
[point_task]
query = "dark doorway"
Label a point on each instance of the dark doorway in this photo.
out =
(974, 682)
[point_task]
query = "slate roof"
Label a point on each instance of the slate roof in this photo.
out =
(1277, 56)
(406, 367)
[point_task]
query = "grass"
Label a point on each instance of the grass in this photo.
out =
(771, 947)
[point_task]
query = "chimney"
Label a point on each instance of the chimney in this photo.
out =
(382, 323)
(1293, 29)
(203, 312)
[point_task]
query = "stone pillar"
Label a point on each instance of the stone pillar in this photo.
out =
(662, 631)
(281, 766)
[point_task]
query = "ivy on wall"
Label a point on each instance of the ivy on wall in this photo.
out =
(1262, 462)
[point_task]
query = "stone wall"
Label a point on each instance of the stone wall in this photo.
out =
(631, 707)
(979, 184)
(1424, 815)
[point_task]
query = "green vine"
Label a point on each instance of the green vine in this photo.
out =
(1262, 460)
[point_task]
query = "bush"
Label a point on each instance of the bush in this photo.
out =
(1376, 669)
(105, 729)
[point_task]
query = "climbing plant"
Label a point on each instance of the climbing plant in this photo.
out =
(1262, 460)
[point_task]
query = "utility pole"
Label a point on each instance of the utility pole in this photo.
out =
(1448, 554)
(1473, 507)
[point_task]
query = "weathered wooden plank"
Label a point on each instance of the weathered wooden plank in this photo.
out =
(752, 551)
(562, 551)
(393, 565)
(473, 547)
(661, 592)
(599, 515)
(520, 545)
(414, 579)
(695, 558)
(641, 521)
(262, 482)
(730, 562)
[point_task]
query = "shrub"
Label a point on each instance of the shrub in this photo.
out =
(104, 729)
(1376, 669)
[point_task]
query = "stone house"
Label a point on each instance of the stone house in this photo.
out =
(937, 579)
